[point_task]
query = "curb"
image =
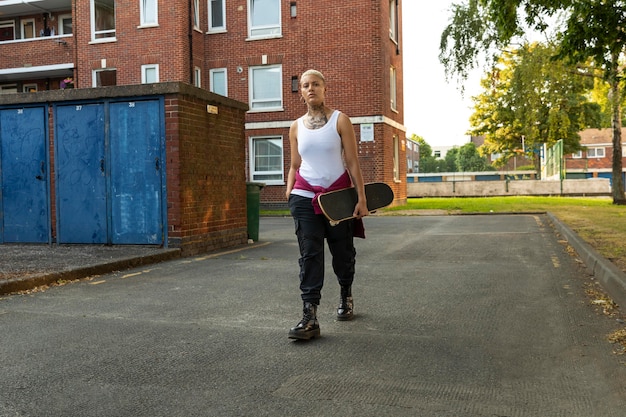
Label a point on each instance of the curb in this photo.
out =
(37, 280)
(612, 279)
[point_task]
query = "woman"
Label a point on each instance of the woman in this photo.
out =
(323, 158)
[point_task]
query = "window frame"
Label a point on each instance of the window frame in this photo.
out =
(252, 101)
(102, 35)
(8, 24)
(95, 73)
(598, 152)
(396, 158)
(22, 22)
(393, 88)
(264, 31)
(222, 27)
(142, 13)
(254, 173)
(144, 73)
(214, 71)
(61, 25)
(393, 21)
(577, 155)
(8, 88)
(196, 15)
(197, 77)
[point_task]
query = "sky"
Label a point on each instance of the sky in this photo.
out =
(433, 108)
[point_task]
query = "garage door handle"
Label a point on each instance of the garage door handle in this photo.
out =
(102, 166)
(40, 177)
(157, 164)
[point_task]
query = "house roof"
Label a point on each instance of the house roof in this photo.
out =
(598, 136)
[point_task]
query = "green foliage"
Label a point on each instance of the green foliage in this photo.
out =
(457, 159)
(469, 160)
(450, 161)
(594, 33)
(529, 95)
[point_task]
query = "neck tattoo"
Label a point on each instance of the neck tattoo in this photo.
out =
(315, 121)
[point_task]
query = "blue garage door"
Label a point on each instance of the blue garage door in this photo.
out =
(109, 172)
(81, 174)
(136, 166)
(24, 201)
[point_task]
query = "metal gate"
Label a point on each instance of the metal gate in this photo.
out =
(24, 198)
(110, 181)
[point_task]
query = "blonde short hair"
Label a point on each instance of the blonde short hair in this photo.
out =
(313, 72)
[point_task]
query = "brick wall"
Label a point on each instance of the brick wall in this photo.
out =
(206, 172)
(349, 42)
(205, 177)
(166, 44)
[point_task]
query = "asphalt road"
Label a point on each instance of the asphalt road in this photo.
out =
(455, 316)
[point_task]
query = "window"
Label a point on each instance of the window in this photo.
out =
(392, 89)
(218, 81)
(7, 30)
(65, 24)
(8, 88)
(393, 20)
(102, 19)
(148, 11)
(29, 88)
(217, 18)
(104, 78)
(577, 155)
(266, 88)
(396, 158)
(264, 18)
(196, 14)
(28, 28)
(150, 74)
(197, 77)
(266, 159)
(595, 153)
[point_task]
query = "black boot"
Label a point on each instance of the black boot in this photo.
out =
(345, 311)
(308, 327)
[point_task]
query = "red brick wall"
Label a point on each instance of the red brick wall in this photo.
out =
(166, 45)
(593, 163)
(205, 160)
(205, 175)
(349, 42)
(36, 52)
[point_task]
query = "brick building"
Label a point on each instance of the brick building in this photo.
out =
(249, 50)
(596, 158)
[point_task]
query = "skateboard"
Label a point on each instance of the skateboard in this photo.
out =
(338, 205)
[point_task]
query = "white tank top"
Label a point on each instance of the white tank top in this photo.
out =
(321, 154)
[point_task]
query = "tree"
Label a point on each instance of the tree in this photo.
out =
(450, 161)
(530, 99)
(469, 160)
(594, 30)
(427, 162)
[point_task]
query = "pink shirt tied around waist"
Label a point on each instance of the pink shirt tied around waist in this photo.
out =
(343, 181)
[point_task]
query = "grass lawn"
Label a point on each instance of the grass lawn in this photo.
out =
(595, 219)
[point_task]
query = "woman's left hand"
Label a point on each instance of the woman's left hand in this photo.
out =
(360, 210)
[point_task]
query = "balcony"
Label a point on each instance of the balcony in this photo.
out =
(36, 40)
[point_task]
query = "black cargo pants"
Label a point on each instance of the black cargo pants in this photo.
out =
(311, 229)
